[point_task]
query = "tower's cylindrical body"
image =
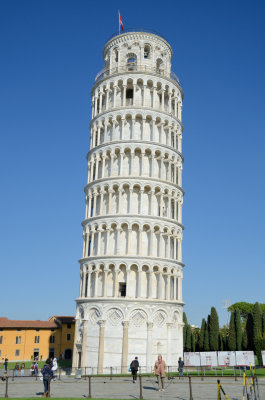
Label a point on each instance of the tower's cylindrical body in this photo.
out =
(130, 299)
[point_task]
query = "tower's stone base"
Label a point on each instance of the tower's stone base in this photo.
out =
(110, 333)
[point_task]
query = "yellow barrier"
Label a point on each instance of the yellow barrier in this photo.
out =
(219, 390)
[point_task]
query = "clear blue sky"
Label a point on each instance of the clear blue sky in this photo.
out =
(50, 52)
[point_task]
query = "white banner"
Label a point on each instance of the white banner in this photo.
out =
(192, 359)
(209, 359)
(263, 357)
(245, 358)
(226, 358)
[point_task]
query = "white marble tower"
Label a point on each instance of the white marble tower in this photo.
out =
(130, 299)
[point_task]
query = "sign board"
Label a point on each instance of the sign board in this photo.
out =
(226, 358)
(192, 359)
(245, 358)
(209, 359)
(263, 357)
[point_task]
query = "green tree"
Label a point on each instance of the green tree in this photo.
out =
(213, 330)
(220, 342)
(257, 331)
(188, 339)
(245, 309)
(232, 333)
(249, 332)
(193, 344)
(185, 321)
(202, 333)
(206, 344)
(257, 322)
(238, 328)
(245, 340)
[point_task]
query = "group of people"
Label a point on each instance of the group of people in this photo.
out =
(159, 370)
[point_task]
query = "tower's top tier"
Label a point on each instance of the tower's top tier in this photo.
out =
(137, 51)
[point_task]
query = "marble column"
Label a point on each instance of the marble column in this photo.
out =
(149, 346)
(101, 346)
(125, 346)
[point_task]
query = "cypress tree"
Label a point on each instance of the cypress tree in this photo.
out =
(206, 344)
(213, 330)
(184, 330)
(193, 345)
(238, 328)
(257, 322)
(202, 333)
(249, 332)
(257, 331)
(245, 340)
(188, 338)
(232, 333)
(220, 342)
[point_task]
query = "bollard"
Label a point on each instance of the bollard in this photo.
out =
(235, 374)
(110, 374)
(141, 387)
(85, 373)
(201, 375)
(36, 377)
(89, 387)
(6, 392)
(191, 398)
(168, 377)
(59, 374)
(13, 375)
(218, 390)
(244, 385)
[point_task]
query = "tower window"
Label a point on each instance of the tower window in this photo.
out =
(129, 94)
(122, 289)
(147, 51)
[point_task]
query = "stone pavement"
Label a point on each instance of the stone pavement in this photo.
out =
(123, 388)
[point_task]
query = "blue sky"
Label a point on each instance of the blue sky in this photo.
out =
(50, 52)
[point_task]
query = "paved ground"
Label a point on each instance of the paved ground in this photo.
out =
(123, 388)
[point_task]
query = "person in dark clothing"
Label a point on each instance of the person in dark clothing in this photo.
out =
(6, 365)
(180, 368)
(47, 375)
(134, 368)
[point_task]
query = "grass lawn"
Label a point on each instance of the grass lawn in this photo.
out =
(58, 398)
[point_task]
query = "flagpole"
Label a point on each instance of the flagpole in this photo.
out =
(119, 23)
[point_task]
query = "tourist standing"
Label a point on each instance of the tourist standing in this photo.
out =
(160, 372)
(47, 375)
(36, 368)
(16, 369)
(6, 365)
(32, 369)
(134, 368)
(54, 368)
(180, 368)
(22, 370)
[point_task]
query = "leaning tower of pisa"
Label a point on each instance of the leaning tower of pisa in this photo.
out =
(130, 299)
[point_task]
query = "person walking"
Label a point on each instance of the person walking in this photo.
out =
(47, 374)
(134, 368)
(160, 372)
(180, 368)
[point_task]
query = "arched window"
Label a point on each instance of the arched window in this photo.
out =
(147, 51)
(116, 55)
(159, 65)
(131, 61)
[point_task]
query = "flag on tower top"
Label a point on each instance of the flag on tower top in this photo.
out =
(120, 23)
